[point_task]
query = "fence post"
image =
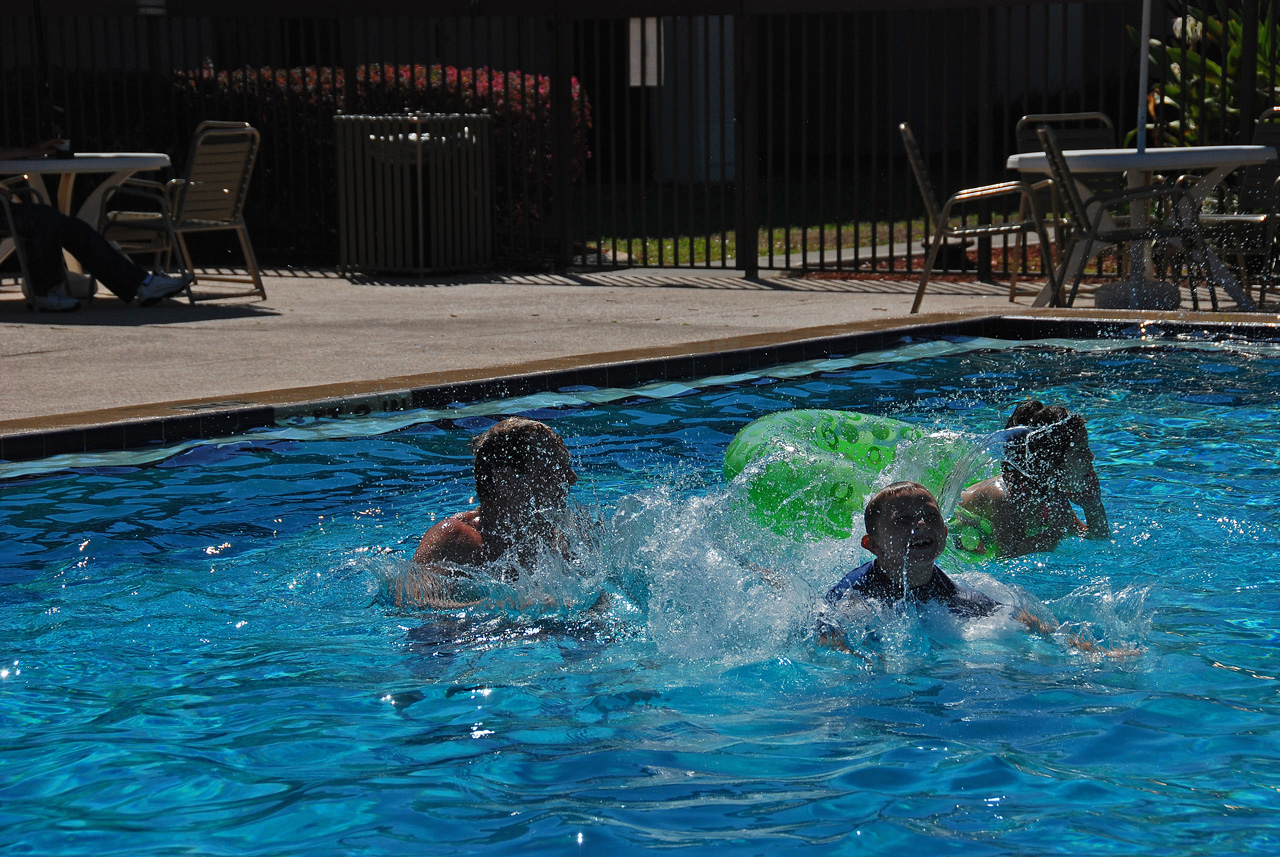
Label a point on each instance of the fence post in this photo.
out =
(985, 132)
(1248, 81)
(562, 138)
(746, 142)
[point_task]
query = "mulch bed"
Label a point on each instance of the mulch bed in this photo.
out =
(998, 262)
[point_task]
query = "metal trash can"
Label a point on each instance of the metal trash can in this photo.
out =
(415, 193)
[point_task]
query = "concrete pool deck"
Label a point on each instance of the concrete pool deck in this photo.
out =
(322, 337)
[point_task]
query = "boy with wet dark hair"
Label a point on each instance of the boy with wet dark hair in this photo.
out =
(523, 475)
(1028, 507)
(906, 534)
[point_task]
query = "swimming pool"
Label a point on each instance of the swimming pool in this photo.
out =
(198, 653)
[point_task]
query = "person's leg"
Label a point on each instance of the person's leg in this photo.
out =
(48, 232)
(44, 249)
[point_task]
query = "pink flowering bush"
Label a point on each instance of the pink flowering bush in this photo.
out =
(294, 109)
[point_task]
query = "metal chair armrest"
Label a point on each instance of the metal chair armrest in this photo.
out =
(990, 190)
(17, 186)
(147, 184)
(151, 192)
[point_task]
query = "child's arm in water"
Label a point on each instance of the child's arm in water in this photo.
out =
(1047, 628)
(423, 586)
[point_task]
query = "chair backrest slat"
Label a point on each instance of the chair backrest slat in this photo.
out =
(921, 172)
(218, 172)
(1074, 130)
(1062, 179)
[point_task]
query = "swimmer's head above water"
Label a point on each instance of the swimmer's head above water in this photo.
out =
(1055, 451)
(905, 530)
(523, 475)
(522, 465)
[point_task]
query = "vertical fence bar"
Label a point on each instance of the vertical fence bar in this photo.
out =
(889, 161)
(872, 160)
(726, 113)
(679, 180)
(823, 34)
(659, 139)
(855, 153)
(788, 108)
(746, 126)
(1248, 71)
(611, 41)
(770, 86)
(635, 161)
(986, 118)
(597, 145)
(562, 138)
(693, 84)
(707, 68)
(803, 154)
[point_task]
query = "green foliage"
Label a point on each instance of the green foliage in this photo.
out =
(1195, 101)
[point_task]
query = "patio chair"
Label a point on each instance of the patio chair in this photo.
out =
(940, 216)
(1104, 220)
(1088, 130)
(1245, 226)
(210, 197)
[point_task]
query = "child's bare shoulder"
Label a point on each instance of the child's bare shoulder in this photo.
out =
(456, 539)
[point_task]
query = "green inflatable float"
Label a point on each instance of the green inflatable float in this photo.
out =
(809, 473)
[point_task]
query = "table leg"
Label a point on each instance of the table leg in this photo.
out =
(1079, 256)
(1222, 275)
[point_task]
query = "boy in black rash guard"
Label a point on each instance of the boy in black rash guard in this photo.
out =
(907, 534)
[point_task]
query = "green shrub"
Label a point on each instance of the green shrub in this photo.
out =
(1195, 101)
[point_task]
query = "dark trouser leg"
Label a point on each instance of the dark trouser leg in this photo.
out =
(47, 232)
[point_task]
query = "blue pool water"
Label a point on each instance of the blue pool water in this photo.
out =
(198, 655)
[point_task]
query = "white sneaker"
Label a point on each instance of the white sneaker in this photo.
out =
(57, 300)
(159, 287)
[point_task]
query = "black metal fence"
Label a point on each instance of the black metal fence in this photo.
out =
(704, 134)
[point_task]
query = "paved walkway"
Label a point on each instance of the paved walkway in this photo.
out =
(317, 334)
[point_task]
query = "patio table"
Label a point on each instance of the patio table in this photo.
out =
(1218, 161)
(117, 165)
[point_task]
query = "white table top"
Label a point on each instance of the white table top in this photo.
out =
(1152, 160)
(90, 162)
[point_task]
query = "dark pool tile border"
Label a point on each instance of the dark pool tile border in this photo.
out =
(215, 419)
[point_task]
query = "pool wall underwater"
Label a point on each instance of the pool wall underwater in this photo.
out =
(180, 422)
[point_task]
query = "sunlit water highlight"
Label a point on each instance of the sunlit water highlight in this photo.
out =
(199, 655)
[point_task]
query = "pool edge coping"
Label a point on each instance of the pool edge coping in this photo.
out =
(165, 423)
